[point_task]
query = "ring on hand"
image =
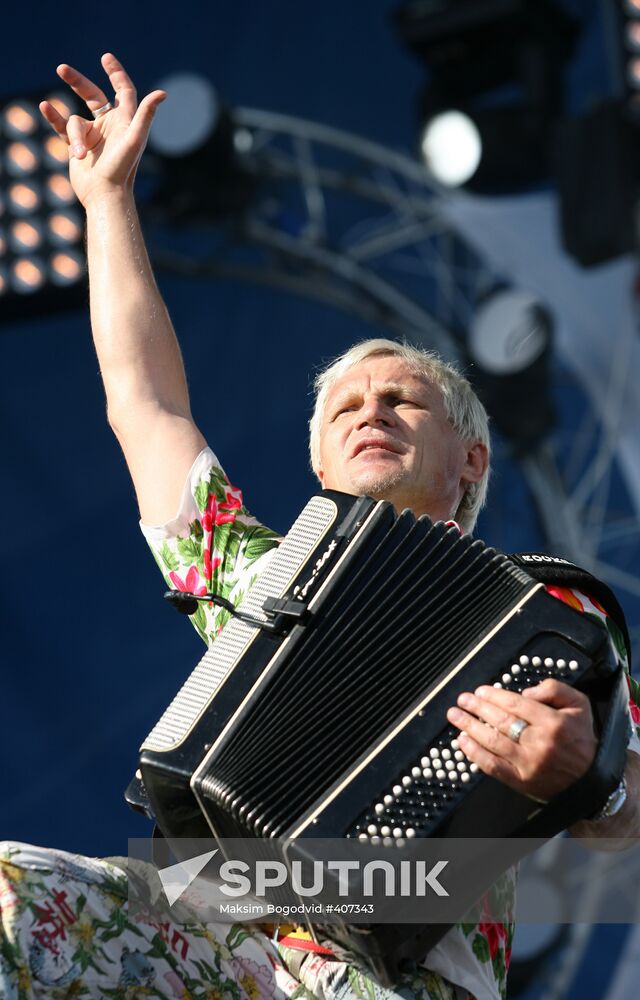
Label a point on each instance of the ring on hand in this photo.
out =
(103, 110)
(516, 730)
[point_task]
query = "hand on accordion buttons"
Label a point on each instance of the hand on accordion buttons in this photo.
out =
(552, 741)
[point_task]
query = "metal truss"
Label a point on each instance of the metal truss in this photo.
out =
(355, 225)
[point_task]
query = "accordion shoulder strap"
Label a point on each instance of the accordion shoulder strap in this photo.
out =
(559, 572)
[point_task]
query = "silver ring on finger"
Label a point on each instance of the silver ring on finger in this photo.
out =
(516, 730)
(103, 110)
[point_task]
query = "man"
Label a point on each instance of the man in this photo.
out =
(391, 422)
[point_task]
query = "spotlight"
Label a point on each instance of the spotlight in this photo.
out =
(509, 342)
(451, 148)
(500, 64)
(41, 255)
(200, 154)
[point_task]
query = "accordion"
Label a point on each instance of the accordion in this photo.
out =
(320, 710)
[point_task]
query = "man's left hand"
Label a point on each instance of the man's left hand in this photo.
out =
(557, 746)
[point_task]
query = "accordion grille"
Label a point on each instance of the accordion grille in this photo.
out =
(219, 660)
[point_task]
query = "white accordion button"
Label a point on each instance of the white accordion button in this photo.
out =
(465, 776)
(410, 833)
(446, 754)
(385, 831)
(459, 755)
(372, 829)
(427, 773)
(455, 745)
(573, 664)
(473, 768)
(536, 661)
(406, 781)
(388, 800)
(397, 833)
(524, 660)
(506, 678)
(441, 775)
(548, 662)
(450, 766)
(379, 808)
(561, 664)
(416, 772)
(516, 669)
(397, 790)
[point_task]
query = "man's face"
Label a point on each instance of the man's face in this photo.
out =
(385, 433)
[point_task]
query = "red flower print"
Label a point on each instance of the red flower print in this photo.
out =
(191, 584)
(233, 502)
(210, 565)
(209, 516)
(495, 935)
(633, 708)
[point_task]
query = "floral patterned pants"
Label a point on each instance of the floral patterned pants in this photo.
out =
(65, 932)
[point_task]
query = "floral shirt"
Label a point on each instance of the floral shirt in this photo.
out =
(214, 545)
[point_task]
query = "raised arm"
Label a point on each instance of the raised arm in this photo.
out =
(140, 361)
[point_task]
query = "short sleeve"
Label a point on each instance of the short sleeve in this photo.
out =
(212, 545)
(588, 605)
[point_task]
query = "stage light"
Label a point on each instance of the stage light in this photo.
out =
(64, 228)
(41, 252)
(25, 236)
(56, 152)
(451, 148)
(188, 116)
(23, 198)
(66, 268)
(20, 119)
(509, 342)
(633, 73)
(21, 158)
(632, 35)
(199, 154)
(58, 190)
(27, 275)
(632, 7)
(499, 63)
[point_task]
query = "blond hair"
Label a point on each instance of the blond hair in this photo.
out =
(465, 412)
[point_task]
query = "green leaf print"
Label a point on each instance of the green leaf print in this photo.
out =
(257, 545)
(199, 619)
(188, 549)
(195, 530)
(201, 495)
(480, 947)
(236, 936)
(169, 559)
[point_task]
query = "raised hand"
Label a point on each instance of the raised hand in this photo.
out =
(555, 746)
(104, 153)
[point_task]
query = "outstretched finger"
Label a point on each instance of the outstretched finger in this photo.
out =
(54, 118)
(86, 89)
(141, 124)
(121, 82)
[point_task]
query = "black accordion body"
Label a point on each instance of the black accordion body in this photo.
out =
(322, 711)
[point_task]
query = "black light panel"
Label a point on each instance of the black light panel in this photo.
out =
(42, 258)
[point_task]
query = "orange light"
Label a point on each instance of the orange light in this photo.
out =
(59, 189)
(65, 268)
(633, 35)
(3, 243)
(61, 105)
(64, 228)
(56, 149)
(21, 158)
(633, 72)
(20, 119)
(24, 197)
(28, 275)
(25, 236)
(3, 283)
